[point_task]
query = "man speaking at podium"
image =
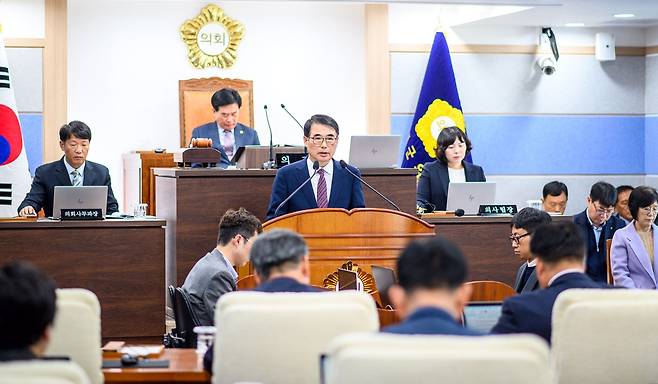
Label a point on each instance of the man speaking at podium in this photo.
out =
(318, 181)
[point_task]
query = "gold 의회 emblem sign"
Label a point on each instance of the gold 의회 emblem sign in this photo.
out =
(212, 38)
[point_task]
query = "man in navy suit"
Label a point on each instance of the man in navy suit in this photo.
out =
(559, 249)
(226, 133)
(71, 170)
(27, 304)
(524, 224)
(280, 258)
(597, 224)
(431, 294)
(331, 187)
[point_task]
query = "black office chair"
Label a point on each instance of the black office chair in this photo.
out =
(183, 335)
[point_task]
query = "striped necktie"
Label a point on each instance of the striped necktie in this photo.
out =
(228, 143)
(76, 181)
(322, 190)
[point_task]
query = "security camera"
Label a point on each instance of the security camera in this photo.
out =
(547, 65)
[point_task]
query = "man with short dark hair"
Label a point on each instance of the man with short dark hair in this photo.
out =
(280, 258)
(226, 133)
(27, 310)
(597, 224)
(214, 274)
(621, 205)
(559, 249)
(523, 225)
(73, 169)
(331, 187)
(554, 197)
(431, 294)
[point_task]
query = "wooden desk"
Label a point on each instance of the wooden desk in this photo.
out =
(121, 261)
(485, 243)
(193, 200)
(185, 366)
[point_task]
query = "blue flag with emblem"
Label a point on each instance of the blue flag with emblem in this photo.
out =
(438, 107)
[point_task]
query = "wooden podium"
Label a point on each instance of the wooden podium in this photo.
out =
(354, 239)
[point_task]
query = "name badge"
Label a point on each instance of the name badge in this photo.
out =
(287, 158)
(82, 214)
(497, 209)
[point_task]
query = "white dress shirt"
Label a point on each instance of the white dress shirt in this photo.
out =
(328, 176)
(81, 171)
(457, 175)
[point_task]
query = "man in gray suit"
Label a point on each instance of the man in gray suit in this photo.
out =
(213, 275)
(226, 133)
(524, 224)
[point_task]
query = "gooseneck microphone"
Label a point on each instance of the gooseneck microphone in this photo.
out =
(344, 165)
(270, 164)
(316, 167)
(296, 121)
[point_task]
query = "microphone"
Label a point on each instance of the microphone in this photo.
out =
(270, 164)
(316, 167)
(344, 165)
(296, 121)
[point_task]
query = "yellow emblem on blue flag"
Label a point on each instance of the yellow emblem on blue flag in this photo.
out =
(440, 114)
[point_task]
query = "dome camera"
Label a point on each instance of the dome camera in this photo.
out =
(547, 65)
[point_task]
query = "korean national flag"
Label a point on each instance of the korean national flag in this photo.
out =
(14, 171)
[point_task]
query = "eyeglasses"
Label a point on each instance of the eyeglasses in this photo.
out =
(650, 210)
(517, 238)
(603, 211)
(317, 140)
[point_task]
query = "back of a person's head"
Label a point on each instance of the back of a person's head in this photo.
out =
(556, 242)
(555, 188)
(530, 218)
(240, 222)
(27, 305)
(279, 249)
(436, 263)
(604, 193)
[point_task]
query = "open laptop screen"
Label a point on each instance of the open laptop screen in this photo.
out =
(482, 316)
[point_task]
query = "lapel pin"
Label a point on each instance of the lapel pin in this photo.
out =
(241, 132)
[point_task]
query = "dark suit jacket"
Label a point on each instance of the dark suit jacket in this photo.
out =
(47, 176)
(531, 312)
(530, 285)
(280, 284)
(243, 136)
(346, 189)
(433, 183)
(285, 284)
(595, 263)
(430, 321)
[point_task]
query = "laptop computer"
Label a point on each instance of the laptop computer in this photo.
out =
(375, 151)
(82, 197)
(469, 196)
(482, 316)
(384, 278)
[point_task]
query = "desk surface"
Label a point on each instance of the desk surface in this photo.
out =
(108, 223)
(185, 366)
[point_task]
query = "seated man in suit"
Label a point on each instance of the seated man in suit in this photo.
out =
(73, 170)
(213, 275)
(280, 258)
(621, 205)
(332, 186)
(597, 224)
(226, 133)
(554, 197)
(559, 249)
(524, 224)
(431, 294)
(27, 311)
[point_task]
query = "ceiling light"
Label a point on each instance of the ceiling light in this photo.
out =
(624, 15)
(574, 24)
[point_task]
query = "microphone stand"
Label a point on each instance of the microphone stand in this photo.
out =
(271, 164)
(344, 165)
(296, 121)
(316, 167)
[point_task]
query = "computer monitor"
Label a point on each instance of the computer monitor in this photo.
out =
(384, 278)
(470, 195)
(375, 151)
(82, 197)
(482, 316)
